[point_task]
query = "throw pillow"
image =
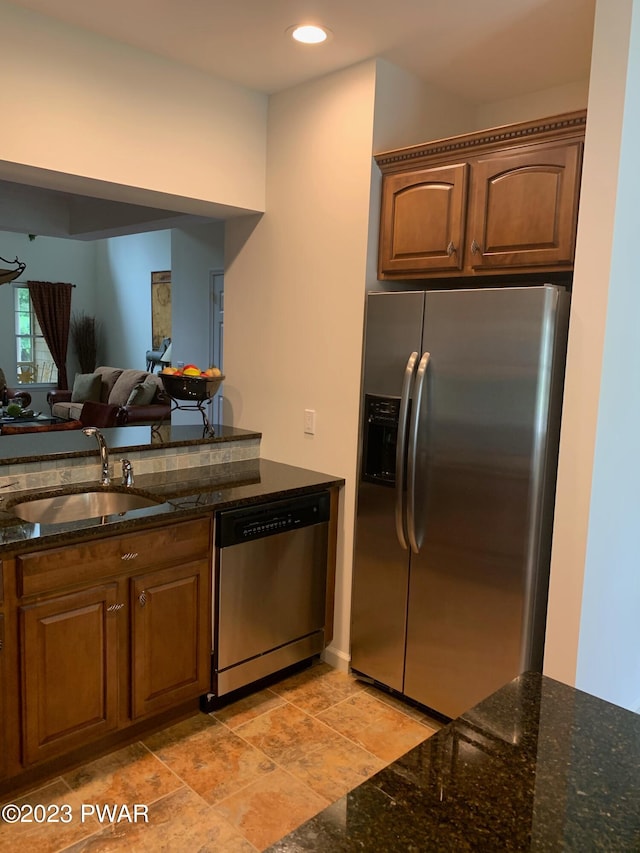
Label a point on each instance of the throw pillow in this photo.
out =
(123, 386)
(109, 377)
(86, 386)
(143, 393)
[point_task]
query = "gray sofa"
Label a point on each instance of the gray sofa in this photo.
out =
(138, 395)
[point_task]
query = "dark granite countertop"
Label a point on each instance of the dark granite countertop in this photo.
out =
(185, 492)
(36, 447)
(536, 766)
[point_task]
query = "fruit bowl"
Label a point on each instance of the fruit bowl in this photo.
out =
(181, 387)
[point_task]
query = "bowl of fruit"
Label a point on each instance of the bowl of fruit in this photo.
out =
(191, 383)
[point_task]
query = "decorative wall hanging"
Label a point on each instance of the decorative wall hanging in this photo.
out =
(16, 269)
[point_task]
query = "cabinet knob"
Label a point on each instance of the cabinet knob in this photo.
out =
(451, 249)
(114, 608)
(142, 598)
(475, 248)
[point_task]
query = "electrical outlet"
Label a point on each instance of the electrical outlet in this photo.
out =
(310, 421)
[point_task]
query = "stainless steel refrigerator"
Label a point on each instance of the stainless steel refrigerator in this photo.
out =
(460, 420)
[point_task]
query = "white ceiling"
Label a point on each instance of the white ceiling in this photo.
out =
(480, 50)
(541, 42)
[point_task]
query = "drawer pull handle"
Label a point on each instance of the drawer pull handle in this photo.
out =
(114, 608)
(130, 555)
(142, 598)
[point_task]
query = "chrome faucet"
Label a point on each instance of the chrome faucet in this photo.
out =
(105, 479)
(127, 473)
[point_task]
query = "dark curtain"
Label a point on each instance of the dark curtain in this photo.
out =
(52, 305)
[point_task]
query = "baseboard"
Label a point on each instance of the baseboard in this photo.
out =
(336, 658)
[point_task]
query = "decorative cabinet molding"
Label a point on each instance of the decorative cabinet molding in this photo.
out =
(507, 203)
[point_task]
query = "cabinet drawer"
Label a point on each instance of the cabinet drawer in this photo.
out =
(52, 570)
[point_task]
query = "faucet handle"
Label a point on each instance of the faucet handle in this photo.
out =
(127, 472)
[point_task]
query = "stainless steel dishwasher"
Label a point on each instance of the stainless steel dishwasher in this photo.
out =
(270, 588)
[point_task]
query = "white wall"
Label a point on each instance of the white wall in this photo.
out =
(195, 252)
(548, 102)
(409, 111)
(88, 106)
(47, 259)
(590, 388)
(123, 294)
(609, 646)
(294, 290)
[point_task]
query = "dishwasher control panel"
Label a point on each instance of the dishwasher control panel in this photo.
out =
(266, 519)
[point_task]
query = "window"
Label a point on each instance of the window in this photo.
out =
(34, 361)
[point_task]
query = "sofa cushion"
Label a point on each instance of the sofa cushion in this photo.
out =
(143, 393)
(86, 386)
(70, 411)
(124, 386)
(109, 378)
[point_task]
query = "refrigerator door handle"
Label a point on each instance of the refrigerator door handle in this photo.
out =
(401, 527)
(413, 447)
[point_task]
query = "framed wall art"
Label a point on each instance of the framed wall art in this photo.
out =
(160, 307)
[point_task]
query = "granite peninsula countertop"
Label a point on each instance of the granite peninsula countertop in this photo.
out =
(538, 766)
(39, 447)
(184, 493)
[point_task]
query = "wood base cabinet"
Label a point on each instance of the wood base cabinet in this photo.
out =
(4, 738)
(112, 631)
(508, 202)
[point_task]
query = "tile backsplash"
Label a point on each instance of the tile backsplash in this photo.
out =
(49, 473)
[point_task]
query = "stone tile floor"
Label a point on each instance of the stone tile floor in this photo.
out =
(236, 780)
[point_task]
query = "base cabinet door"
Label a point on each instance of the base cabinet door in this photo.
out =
(69, 671)
(171, 642)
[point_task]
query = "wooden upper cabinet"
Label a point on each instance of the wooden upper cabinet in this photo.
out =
(423, 220)
(496, 201)
(524, 207)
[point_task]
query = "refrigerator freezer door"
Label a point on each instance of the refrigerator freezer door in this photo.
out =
(393, 331)
(483, 453)
(381, 566)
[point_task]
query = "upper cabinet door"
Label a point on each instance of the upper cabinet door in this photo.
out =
(523, 207)
(422, 220)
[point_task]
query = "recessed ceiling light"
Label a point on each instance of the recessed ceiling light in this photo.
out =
(309, 34)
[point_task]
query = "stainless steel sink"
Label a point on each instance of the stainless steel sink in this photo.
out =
(79, 506)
